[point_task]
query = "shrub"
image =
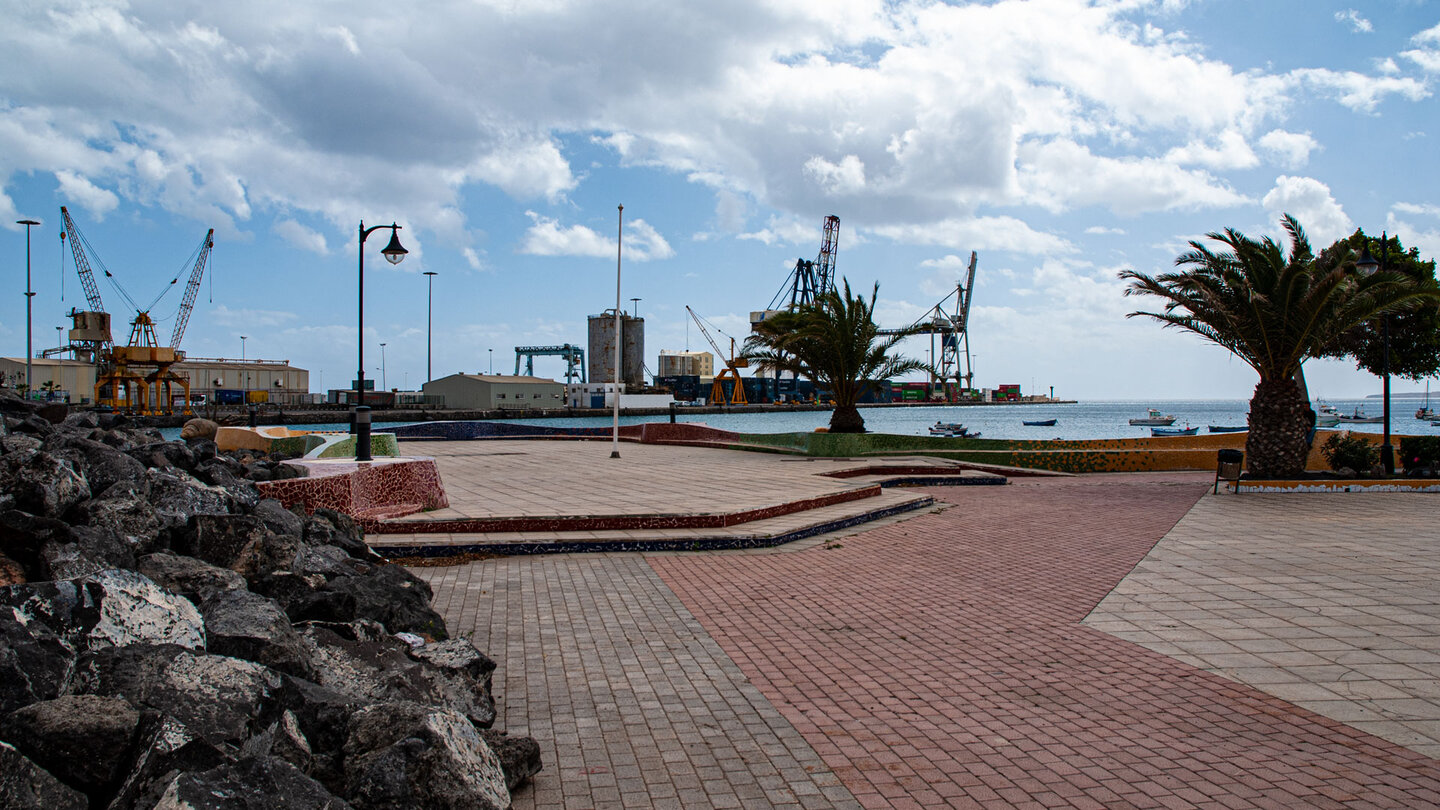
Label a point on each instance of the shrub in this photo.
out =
(1418, 452)
(1349, 450)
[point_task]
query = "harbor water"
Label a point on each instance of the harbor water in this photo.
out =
(1080, 420)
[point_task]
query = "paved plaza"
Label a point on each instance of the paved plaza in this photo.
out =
(1097, 641)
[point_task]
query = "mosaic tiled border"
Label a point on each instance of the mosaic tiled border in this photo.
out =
(436, 551)
(390, 487)
(1338, 485)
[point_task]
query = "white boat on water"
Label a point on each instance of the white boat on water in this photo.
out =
(1326, 415)
(1154, 418)
(1359, 418)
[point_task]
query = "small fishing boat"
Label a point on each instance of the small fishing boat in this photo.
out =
(1169, 431)
(947, 428)
(1227, 428)
(1426, 413)
(1359, 418)
(1326, 415)
(1154, 417)
(1038, 423)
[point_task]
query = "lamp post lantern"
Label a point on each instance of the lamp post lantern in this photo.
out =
(393, 253)
(635, 305)
(429, 318)
(1367, 265)
(29, 298)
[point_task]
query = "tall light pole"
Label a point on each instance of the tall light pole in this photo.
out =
(384, 380)
(635, 305)
(29, 297)
(492, 360)
(246, 384)
(615, 430)
(393, 253)
(429, 317)
(1367, 265)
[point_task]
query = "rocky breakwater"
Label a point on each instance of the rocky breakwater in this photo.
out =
(169, 639)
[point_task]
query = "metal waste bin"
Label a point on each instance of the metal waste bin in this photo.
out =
(1229, 464)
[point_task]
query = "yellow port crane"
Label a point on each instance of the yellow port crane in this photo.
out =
(731, 371)
(134, 368)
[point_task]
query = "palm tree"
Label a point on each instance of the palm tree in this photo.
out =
(1274, 312)
(832, 341)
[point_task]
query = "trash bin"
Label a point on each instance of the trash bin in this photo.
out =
(1228, 466)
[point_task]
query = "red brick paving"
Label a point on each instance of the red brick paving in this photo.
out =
(939, 662)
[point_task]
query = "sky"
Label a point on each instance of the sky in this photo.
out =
(1060, 140)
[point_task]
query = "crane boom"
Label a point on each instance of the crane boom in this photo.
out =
(192, 288)
(732, 367)
(825, 274)
(82, 263)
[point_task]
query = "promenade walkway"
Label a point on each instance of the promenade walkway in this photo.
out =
(1025, 647)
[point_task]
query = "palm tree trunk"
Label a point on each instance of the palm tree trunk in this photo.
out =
(846, 419)
(1279, 430)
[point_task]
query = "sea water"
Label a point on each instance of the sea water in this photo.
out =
(1079, 420)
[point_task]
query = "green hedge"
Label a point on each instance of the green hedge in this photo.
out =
(1419, 451)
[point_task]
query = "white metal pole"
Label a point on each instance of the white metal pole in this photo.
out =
(615, 428)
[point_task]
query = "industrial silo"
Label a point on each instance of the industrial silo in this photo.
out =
(602, 349)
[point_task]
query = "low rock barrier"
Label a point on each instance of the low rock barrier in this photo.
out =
(171, 638)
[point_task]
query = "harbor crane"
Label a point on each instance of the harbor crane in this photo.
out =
(809, 279)
(951, 326)
(731, 371)
(574, 359)
(142, 362)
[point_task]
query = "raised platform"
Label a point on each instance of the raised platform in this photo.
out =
(518, 496)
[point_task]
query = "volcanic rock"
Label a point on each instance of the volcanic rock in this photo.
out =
(409, 755)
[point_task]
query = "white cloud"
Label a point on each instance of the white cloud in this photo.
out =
(546, 237)
(837, 179)
(913, 112)
(1423, 209)
(787, 230)
(1358, 91)
(1289, 149)
(1310, 202)
(1229, 151)
(92, 198)
(472, 258)
(1101, 230)
(978, 233)
(1063, 174)
(1427, 56)
(301, 236)
(1426, 239)
(1352, 18)
(253, 318)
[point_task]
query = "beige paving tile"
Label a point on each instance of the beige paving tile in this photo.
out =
(1331, 602)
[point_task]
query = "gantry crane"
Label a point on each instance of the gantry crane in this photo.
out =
(731, 371)
(952, 328)
(121, 367)
(810, 278)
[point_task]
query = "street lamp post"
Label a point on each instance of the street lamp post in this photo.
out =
(1367, 265)
(29, 298)
(245, 385)
(635, 305)
(492, 360)
(429, 318)
(384, 380)
(393, 253)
